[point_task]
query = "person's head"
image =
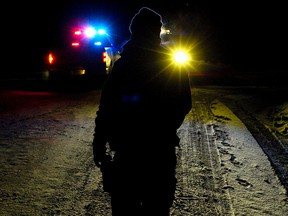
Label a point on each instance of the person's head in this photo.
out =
(146, 25)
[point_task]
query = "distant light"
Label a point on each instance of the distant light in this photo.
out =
(82, 72)
(104, 56)
(50, 58)
(165, 31)
(32, 93)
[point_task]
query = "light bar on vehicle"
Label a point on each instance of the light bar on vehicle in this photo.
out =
(83, 35)
(75, 44)
(101, 31)
(78, 32)
(98, 43)
(90, 32)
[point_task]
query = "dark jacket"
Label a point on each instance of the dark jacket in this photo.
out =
(145, 99)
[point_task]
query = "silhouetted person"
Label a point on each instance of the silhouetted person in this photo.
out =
(143, 103)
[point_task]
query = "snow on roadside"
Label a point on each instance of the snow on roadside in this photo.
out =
(253, 186)
(276, 119)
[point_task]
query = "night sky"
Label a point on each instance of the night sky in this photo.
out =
(238, 33)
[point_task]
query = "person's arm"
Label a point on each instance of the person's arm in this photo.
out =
(100, 138)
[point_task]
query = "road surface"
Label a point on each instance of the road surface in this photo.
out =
(47, 166)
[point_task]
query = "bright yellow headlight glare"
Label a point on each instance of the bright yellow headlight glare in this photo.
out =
(181, 57)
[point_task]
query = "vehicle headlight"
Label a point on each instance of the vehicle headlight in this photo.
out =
(181, 57)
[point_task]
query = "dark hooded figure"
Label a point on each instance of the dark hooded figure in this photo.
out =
(143, 103)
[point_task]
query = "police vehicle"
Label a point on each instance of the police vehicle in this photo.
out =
(88, 52)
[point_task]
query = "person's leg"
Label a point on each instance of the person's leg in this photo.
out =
(155, 210)
(125, 193)
(159, 186)
(122, 205)
(158, 196)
